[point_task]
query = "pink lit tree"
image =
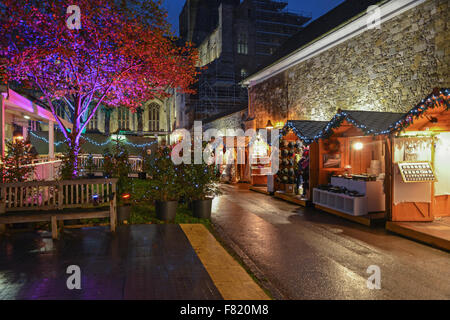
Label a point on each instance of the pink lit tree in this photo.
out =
(122, 56)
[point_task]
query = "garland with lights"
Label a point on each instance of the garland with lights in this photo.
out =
(438, 98)
(290, 126)
(108, 141)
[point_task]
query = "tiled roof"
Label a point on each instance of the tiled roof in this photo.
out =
(370, 122)
(306, 130)
(373, 120)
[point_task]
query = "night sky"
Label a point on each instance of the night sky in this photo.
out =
(316, 7)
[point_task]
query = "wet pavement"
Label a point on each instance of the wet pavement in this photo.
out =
(308, 254)
(139, 262)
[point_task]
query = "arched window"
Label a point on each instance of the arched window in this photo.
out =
(124, 119)
(153, 117)
(93, 124)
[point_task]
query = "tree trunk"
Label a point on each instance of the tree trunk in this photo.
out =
(107, 121)
(74, 150)
(139, 120)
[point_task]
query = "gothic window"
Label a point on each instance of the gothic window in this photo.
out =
(242, 43)
(153, 117)
(93, 124)
(124, 119)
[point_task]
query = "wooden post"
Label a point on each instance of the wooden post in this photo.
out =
(51, 140)
(54, 228)
(389, 177)
(2, 126)
(2, 208)
(113, 210)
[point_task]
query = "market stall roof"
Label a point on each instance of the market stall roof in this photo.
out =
(438, 99)
(306, 130)
(370, 122)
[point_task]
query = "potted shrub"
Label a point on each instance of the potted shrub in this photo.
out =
(166, 183)
(202, 185)
(116, 165)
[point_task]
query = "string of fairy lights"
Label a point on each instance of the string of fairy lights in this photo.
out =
(95, 143)
(435, 99)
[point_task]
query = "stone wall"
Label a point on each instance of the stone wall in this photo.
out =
(232, 121)
(387, 69)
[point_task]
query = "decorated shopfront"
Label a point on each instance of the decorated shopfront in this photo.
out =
(297, 174)
(351, 164)
(420, 155)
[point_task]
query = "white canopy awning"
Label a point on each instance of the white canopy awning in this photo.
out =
(19, 105)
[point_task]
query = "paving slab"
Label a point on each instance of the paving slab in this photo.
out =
(138, 262)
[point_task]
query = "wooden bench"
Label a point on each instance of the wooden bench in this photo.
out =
(53, 201)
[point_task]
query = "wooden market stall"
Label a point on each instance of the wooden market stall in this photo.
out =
(419, 185)
(351, 165)
(420, 150)
(297, 175)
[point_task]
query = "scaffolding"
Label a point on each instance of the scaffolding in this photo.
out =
(219, 90)
(275, 23)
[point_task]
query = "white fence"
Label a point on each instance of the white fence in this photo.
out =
(135, 162)
(47, 170)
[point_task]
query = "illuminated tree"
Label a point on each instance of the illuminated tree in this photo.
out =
(122, 55)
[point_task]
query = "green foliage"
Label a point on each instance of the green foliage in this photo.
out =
(90, 165)
(146, 160)
(108, 163)
(167, 182)
(116, 165)
(142, 191)
(15, 164)
(201, 181)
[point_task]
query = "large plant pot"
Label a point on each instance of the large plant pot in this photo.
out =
(166, 210)
(202, 208)
(124, 212)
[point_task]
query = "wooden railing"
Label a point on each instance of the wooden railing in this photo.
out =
(135, 162)
(46, 195)
(43, 169)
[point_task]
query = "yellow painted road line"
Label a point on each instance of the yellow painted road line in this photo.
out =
(232, 281)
